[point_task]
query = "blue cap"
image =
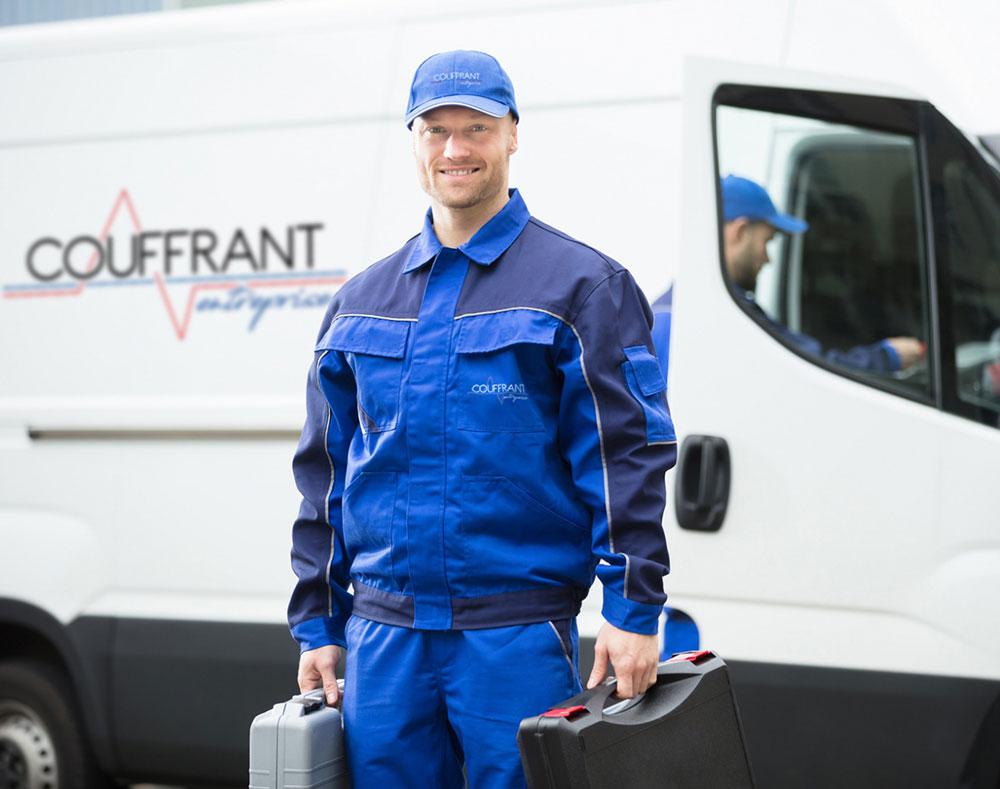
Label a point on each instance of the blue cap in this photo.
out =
(462, 78)
(743, 198)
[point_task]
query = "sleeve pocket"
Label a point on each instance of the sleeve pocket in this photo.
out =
(645, 382)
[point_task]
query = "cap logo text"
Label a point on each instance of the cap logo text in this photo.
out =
(447, 75)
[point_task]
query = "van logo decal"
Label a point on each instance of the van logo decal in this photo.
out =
(233, 272)
(503, 392)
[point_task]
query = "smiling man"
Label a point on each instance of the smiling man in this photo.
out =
(486, 430)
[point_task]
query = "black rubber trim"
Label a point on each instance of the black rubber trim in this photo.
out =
(834, 727)
(186, 692)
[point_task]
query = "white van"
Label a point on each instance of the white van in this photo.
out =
(183, 192)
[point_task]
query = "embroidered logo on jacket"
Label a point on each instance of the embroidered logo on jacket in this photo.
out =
(503, 392)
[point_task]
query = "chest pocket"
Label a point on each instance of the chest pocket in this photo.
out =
(504, 376)
(375, 349)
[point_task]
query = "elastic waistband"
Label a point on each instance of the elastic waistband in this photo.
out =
(474, 613)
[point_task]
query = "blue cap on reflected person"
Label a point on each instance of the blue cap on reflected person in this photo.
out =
(463, 78)
(743, 198)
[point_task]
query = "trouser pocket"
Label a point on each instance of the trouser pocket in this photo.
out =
(565, 632)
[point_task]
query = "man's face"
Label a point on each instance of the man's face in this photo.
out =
(745, 245)
(463, 155)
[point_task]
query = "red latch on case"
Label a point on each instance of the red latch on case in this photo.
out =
(564, 712)
(695, 656)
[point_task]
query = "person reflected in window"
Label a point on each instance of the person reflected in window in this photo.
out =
(750, 221)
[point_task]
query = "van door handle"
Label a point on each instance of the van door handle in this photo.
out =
(702, 483)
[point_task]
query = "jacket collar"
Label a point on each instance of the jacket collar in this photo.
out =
(489, 242)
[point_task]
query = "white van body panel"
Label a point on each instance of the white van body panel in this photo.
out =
(858, 532)
(61, 562)
(226, 120)
(167, 428)
(147, 421)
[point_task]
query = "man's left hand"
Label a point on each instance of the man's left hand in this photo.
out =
(910, 350)
(633, 656)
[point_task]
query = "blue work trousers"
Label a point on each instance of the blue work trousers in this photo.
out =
(420, 703)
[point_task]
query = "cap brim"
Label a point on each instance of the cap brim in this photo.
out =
(787, 224)
(488, 106)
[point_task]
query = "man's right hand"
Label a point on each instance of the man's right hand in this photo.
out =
(318, 667)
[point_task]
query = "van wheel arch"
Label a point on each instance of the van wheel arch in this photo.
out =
(41, 739)
(76, 656)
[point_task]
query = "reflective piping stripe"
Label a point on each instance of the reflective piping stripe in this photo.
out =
(366, 315)
(657, 443)
(511, 309)
(562, 648)
(597, 412)
(318, 360)
(329, 492)
(625, 587)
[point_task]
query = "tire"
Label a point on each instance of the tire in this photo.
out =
(42, 743)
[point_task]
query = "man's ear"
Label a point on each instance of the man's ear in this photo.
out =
(737, 229)
(512, 144)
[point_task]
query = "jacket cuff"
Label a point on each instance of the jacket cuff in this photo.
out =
(895, 363)
(321, 631)
(629, 615)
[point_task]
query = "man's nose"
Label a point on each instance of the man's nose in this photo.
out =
(455, 148)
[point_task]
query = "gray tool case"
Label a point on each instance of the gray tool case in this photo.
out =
(298, 744)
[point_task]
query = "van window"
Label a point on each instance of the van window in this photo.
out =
(850, 292)
(972, 238)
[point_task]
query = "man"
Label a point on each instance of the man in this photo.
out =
(486, 429)
(750, 221)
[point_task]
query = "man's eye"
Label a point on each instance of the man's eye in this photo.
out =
(479, 127)
(435, 130)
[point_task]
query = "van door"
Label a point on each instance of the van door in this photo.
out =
(856, 384)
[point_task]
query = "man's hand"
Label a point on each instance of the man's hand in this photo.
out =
(318, 667)
(909, 349)
(633, 655)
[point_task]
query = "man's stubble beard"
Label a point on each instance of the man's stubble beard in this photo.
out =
(743, 274)
(489, 189)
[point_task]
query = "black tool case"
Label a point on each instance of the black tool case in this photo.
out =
(685, 731)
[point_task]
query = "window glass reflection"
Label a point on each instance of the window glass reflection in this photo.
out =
(972, 214)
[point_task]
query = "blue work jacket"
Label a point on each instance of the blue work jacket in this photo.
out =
(486, 428)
